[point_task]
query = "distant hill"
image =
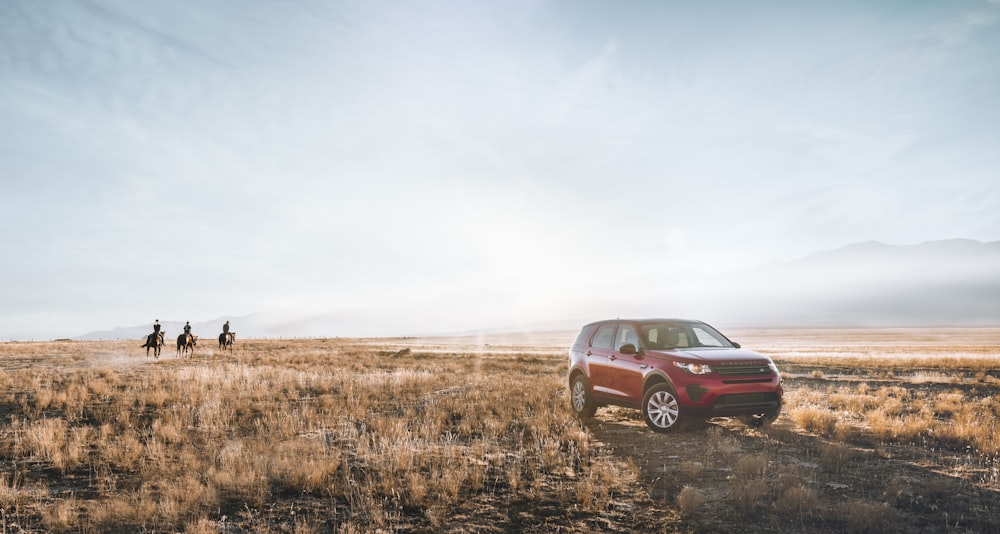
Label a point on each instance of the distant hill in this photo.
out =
(939, 283)
(952, 282)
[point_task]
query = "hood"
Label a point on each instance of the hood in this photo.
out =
(716, 355)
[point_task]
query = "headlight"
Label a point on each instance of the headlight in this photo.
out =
(694, 368)
(774, 368)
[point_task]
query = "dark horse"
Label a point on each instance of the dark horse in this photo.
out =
(226, 340)
(155, 342)
(185, 344)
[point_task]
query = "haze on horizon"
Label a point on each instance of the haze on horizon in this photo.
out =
(475, 163)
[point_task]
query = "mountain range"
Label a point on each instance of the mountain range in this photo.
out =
(951, 282)
(939, 283)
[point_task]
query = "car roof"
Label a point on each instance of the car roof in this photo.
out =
(645, 321)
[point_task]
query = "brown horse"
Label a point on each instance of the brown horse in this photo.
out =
(185, 344)
(226, 340)
(154, 342)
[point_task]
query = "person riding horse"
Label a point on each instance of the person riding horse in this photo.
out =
(226, 338)
(157, 334)
(186, 341)
(155, 340)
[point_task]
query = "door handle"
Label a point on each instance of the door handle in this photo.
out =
(612, 357)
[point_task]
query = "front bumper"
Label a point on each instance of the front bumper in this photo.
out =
(714, 397)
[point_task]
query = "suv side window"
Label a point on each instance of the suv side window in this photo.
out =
(626, 334)
(656, 338)
(604, 336)
(581, 338)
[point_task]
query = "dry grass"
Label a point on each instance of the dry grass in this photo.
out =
(689, 501)
(835, 457)
(750, 486)
(362, 436)
(799, 500)
(390, 445)
(952, 418)
(867, 516)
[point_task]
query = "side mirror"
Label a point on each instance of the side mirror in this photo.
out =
(628, 348)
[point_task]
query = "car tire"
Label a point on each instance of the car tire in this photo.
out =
(759, 420)
(581, 401)
(660, 409)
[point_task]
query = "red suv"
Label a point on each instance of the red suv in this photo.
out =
(672, 370)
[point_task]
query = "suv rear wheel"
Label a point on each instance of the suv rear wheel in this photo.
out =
(661, 409)
(580, 399)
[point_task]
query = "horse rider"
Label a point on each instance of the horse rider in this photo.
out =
(187, 328)
(156, 336)
(225, 328)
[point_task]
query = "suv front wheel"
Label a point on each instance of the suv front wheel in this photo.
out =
(661, 409)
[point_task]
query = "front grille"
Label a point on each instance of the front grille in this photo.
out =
(747, 398)
(746, 403)
(748, 381)
(743, 370)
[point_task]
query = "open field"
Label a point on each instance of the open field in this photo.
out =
(883, 430)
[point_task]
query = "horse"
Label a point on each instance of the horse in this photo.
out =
(226, 340)
(155, 342)
(186, 344)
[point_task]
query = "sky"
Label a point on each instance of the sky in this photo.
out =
(469, 163)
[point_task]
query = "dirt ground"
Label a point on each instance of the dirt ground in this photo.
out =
(896, 487)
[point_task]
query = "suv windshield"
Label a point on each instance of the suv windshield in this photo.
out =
(661, 336)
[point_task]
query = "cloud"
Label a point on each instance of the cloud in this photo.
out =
(927, 50)
(856, 152)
